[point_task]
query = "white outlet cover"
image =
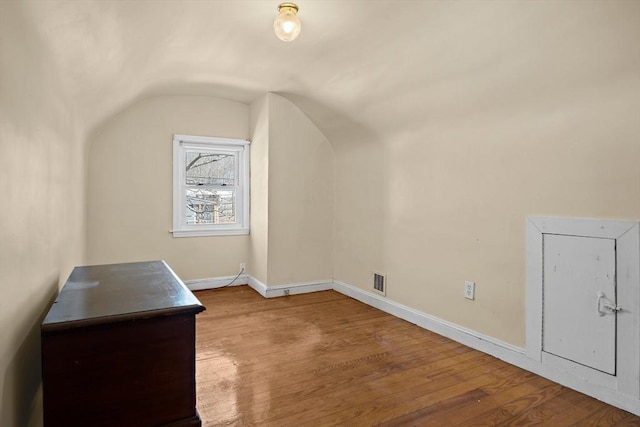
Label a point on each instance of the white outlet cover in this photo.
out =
(469, 290)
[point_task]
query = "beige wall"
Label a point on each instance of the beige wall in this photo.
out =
(301, 181)
(292, 171)
(259, 238)
(550, 127)
(42, 199)
(130, 189)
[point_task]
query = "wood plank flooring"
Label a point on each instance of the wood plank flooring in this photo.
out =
(323, 359)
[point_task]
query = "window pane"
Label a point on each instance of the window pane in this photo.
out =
(210, 168)
(209, 206)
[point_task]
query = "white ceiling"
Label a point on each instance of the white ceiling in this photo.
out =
(379, 66)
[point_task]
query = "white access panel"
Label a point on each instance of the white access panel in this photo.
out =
(587, 236)
(579, 296)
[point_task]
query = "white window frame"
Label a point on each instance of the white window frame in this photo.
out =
(240, 147)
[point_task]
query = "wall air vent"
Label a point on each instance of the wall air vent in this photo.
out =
(379, 283)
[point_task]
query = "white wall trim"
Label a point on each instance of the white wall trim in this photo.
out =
(216, 282)
(293, 288)
(504, 351)
(450, 330)
(299, 288)
(258, 286)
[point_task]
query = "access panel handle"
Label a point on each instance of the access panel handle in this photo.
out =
(604, 305)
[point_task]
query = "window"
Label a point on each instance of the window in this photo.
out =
(210, 186)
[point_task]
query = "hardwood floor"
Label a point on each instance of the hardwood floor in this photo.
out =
(324, 359)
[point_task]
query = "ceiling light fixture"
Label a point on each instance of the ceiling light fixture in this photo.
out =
(287, 24)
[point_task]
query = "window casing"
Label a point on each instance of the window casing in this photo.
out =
(210, 186)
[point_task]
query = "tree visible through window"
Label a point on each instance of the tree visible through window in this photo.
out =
(210, 186)
(206, 201)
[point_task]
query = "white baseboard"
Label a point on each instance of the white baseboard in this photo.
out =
(289, 289)
(258, 286)
(450, 330)
(504, 351)
(216, 282)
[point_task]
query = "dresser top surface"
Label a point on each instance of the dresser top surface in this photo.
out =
(114, 292)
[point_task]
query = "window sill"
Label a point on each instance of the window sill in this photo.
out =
(205, 233)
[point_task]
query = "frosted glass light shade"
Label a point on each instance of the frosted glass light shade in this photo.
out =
(287, 24)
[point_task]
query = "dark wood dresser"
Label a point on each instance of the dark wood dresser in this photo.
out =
(118, 349)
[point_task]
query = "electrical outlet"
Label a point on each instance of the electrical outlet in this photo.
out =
(243, 267)
(469, 290)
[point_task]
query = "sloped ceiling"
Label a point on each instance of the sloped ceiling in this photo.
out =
(359, 66)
